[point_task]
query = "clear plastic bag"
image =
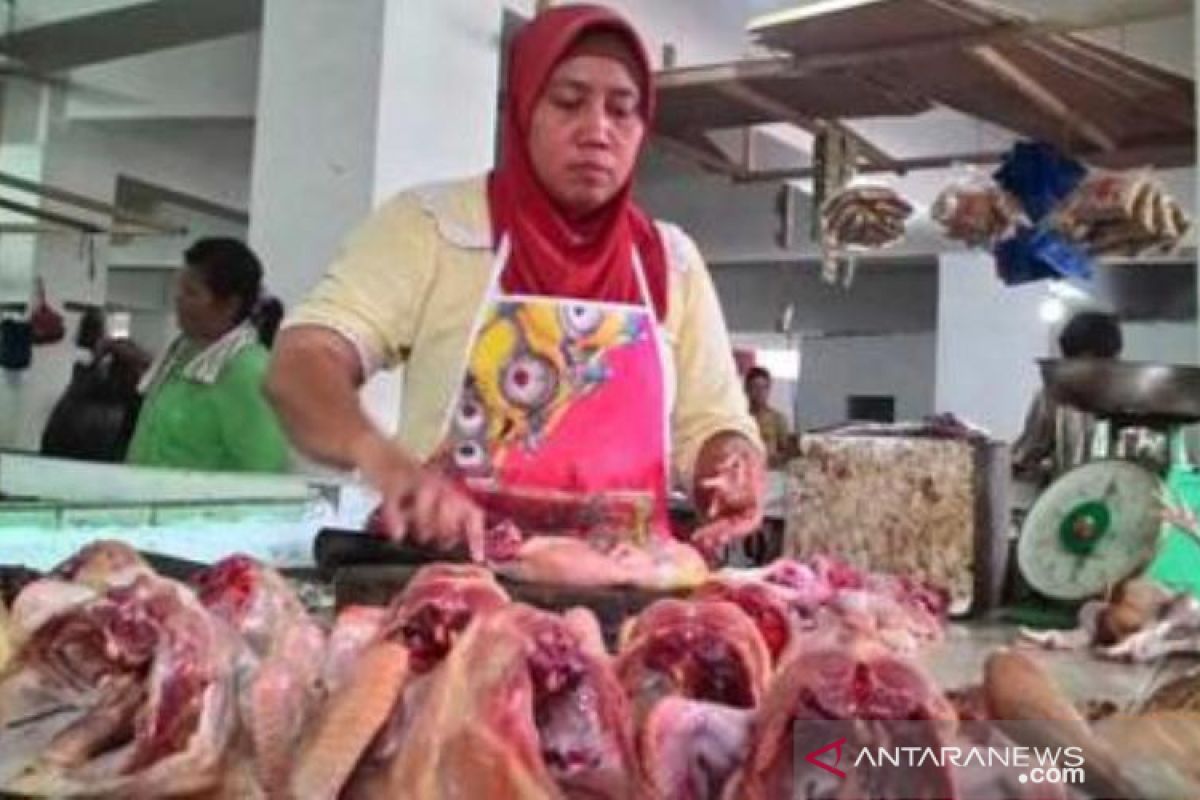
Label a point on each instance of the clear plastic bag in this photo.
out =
(864, 216)
(976, 211)
(1122, 213)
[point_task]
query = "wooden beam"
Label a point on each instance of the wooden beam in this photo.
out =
(86, 203)
(1078, 63)
(998, 33)
(50, 216)
(1144, 73)
(30, 229)
(748, 149)
(1037, 94)
(904, 164)
(683, 77)
(1016, 29)
(1174, 155)
(784, 113)
(689, 152)
(33, 229)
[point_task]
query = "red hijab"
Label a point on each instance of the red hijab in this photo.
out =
(553, 255)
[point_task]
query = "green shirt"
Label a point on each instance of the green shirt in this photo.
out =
(225, 426)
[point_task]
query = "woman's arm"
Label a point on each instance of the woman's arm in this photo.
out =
(313, 383)
(716, 445)
(709, 396)
(364, 315)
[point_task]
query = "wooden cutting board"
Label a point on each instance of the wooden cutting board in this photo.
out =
(377, 584)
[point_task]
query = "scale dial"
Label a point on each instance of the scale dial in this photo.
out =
(1090, 529)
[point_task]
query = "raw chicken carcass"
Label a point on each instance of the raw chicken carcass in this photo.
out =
(695, 671)
(1141, 622)
(689, 748)
(830, 702)
(280, 664)
(1025, 702)
(549, 537)
(355, 628)
(378, 671)
(566, 538)
(103, 564)
(702, 650)
(829, 601)
(522, 707)
(5, 646)
(351, 719)
(436, 607)
(762, 603)
(129, 692)
(659, 564)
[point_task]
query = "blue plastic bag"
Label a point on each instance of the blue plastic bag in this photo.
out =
(1033, 255)
(1039, 176)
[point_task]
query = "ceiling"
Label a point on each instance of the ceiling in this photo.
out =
(103, 30)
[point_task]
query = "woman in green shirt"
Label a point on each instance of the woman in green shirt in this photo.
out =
(204, 407)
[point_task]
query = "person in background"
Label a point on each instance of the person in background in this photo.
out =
(204, 407)
(772, 425)
(95, 417)
(1056, 437)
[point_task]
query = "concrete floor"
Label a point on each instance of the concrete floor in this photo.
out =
(958, 662)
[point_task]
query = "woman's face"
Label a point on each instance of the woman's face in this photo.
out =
(586, 132)
(201, 314)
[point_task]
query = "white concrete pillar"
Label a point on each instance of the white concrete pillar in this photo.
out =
(356, 102)
(989, 338)
(438, 92)
(314, 134)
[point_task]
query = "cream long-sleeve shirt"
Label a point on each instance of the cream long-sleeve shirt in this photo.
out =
(409, 282)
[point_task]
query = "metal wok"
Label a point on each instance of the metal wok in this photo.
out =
(1130, 392)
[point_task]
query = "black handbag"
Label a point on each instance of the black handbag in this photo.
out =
(16, 344)
(95, 418)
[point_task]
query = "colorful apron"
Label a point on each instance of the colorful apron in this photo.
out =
(561, 421)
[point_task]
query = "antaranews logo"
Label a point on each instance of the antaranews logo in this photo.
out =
(814, 757)
(913, 759)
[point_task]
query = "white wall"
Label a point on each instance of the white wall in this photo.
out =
(217, 78)
(314, 155)
(900, 365)
(439, 76)
(988, 339)
(1165, 342)
(884, 298)
(702, 31)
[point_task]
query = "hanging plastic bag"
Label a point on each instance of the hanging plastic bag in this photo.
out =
(1039, 176)
(48, 325)
(868, 217)
(976, 211)
(1033, 254)
(862, 217)
(1122, 213)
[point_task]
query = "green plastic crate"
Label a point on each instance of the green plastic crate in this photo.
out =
(1177, 564)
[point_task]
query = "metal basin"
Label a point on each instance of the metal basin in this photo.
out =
(1136, 393)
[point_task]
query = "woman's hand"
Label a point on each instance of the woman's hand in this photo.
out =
(419, 502)
(730, 481)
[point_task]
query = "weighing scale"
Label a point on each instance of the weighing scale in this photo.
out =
(1100, 523)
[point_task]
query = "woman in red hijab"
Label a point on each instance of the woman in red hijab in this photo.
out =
(558, 342)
